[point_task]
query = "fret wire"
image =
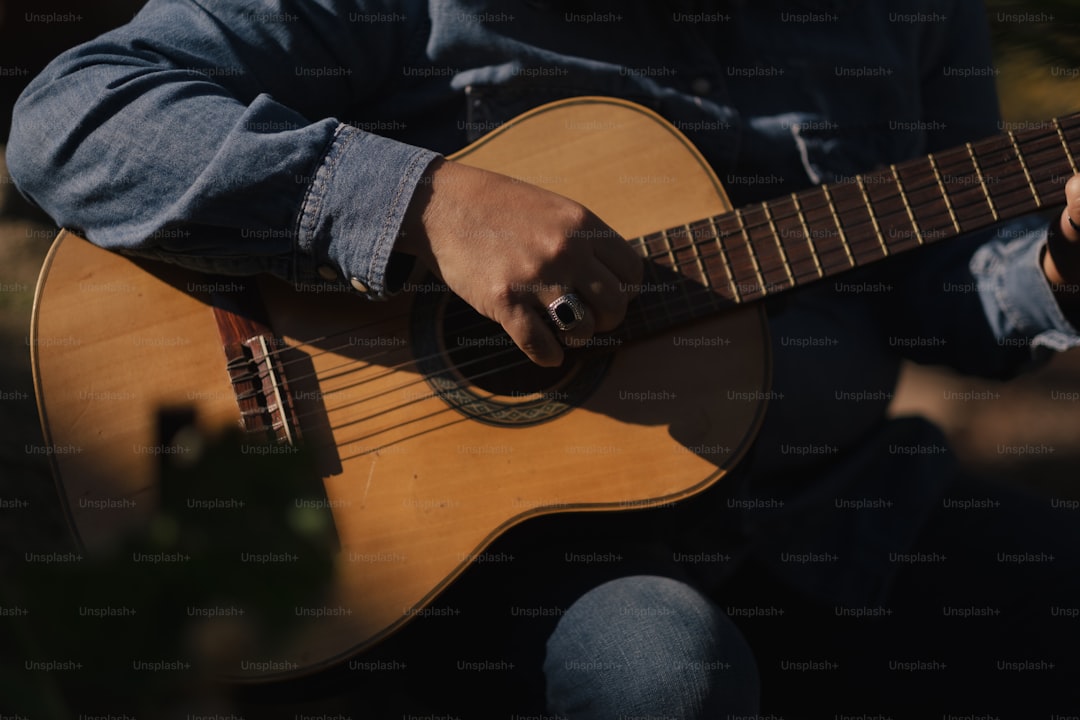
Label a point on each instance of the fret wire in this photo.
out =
(923, 200)
(726, 261)
(776, 217)
(839, 228)
(898, 213)
(856, 217)
(705, 279)
(751, 251)
(982, 180)
(1065, 144)
(676, 266)
(1006, 181)
(1042, 174)
(833, 255)
(873, 218)
(908, 209)
(1047, 151)
(1053, 150)
(691, 289)
(806, 233)
(785, 220)
(1044, 165)
(1021, 194)
(679, 296)
(697, 256)
(1071, 129)
(800, 275)
(936, 182)
(1012, 188)
(944, 194)
(776, 237)
(907, 205)
(966, 188)
(1048, 175)
(670, 250)
(764, 248)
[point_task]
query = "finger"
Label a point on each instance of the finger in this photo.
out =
(605, 296)
(620, 258)
(532, 335)
(1061, 263)
(581, 333)
(580, 329)
(1072, 210)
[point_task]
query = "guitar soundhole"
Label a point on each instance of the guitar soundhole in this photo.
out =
(475, 367)
(487, 357)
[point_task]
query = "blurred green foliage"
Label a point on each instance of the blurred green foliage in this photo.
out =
(113, 611)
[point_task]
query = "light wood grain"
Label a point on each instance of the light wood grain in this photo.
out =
(417, 489)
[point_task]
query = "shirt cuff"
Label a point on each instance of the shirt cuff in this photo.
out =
(353, 210)
(1015, 293)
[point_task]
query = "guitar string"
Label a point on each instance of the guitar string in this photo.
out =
(642, 242)
(375, 432)
(1004, 207)
(498, 369)
(369, 434)
(444, 409)
(416, 381)
(384, 411)
(977, 199)
(524, 361)
(521, 361)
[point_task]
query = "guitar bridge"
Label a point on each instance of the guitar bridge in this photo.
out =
(253, 359)
(262, 392)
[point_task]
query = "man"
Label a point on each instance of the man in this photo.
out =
(237, 118)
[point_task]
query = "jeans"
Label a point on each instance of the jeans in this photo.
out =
(647, 646)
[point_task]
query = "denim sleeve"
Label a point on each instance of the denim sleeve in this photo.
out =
(207, 134)
(981, 305)
(1016, 294)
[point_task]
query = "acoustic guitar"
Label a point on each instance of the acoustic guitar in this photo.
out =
(431, 432)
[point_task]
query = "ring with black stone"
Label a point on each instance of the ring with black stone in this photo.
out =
(566, 311)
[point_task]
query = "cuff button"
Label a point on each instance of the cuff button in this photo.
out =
(327, 273)
(358, 286)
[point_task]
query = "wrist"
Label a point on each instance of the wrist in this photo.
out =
(413, 237)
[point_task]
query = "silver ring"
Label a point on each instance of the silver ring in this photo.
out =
(566, 311)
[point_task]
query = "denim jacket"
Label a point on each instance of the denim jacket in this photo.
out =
(287, 136)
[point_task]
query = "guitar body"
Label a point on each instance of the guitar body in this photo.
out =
(423, 467)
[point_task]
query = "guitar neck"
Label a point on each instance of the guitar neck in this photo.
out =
(761, 250)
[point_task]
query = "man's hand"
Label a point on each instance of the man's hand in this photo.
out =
(1062, 261)
(509, 249)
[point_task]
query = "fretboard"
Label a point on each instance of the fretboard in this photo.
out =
(755, 252)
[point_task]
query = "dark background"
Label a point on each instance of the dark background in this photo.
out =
(1033, 86)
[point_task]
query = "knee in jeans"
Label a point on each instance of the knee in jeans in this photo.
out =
(648, 645)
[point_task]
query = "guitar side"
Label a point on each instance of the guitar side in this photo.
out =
(417, 488)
